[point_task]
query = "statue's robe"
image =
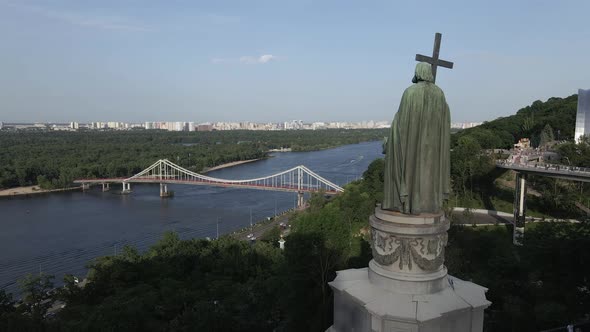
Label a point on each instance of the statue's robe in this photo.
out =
(417, 162)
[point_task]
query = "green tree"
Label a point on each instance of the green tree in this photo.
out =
(43, 182)
(310, 264)
(70, 289)
(37, 296)
(6, 302)
(465, 158)
(546, 135)
(575, 154)
(272, 235)
(317, 200)
(373, 179)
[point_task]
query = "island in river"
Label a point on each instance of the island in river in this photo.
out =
(53, 160)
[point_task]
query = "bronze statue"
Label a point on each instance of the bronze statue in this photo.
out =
(417, 162)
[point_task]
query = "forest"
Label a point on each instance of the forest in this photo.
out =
(528, 122)
(55, 159)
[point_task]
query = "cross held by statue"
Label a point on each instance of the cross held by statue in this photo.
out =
(434, 60)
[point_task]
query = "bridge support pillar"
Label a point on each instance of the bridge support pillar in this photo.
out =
(519, 208)
(106, 187)
(300, 200)
(85, 186)
(164, 190)
(126, 188)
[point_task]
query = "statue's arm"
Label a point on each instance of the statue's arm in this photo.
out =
(384, 145)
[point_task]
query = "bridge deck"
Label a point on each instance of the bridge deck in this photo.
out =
(205, 183)
(296, 179)
(556, 171)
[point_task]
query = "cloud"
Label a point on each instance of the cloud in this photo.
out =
(247, 59)
(74, 18)
(266, 58)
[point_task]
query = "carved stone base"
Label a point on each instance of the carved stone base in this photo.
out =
(408, 251)
(361, 305)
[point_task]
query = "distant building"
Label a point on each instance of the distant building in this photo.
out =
(204, 127)
(465, 125)
(114, 125)
(318, 125)
(178, 126)
(294, 124)
(523, 143)
(62, 126)
(583, 115)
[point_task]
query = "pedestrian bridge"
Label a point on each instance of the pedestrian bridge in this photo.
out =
(299, 179)
(549, 170)
(522, 171)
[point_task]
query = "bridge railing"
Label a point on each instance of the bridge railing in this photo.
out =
(545, 166)
(298, 178)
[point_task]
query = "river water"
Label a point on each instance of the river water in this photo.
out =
(60, 233)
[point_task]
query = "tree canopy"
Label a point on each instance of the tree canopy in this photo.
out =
(530, 122)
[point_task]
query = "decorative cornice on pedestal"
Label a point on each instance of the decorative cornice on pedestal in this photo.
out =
(409, 229)
(400, 218)
(406, 283)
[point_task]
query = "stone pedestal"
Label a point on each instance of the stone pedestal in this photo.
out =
(406, 286)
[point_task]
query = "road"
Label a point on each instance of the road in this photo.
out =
(262, 227)
(479, 218)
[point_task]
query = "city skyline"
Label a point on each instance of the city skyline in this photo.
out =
(208, 126)
(264, 61)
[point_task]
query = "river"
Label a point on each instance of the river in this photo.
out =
(61, 233)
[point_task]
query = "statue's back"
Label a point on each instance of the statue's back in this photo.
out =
(417, 168)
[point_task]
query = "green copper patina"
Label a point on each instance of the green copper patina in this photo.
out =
(417, 162)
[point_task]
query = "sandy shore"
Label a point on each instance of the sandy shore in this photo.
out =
(30, 190)
(226, 165)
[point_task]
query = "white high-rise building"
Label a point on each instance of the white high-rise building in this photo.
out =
(583, 115)
(178, 126)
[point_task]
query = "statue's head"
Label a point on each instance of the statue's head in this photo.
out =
(423, 73)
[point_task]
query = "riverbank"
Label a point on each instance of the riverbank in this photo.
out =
(31, 190)
(226, 165)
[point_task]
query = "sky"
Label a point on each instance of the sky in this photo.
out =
(271, 61)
